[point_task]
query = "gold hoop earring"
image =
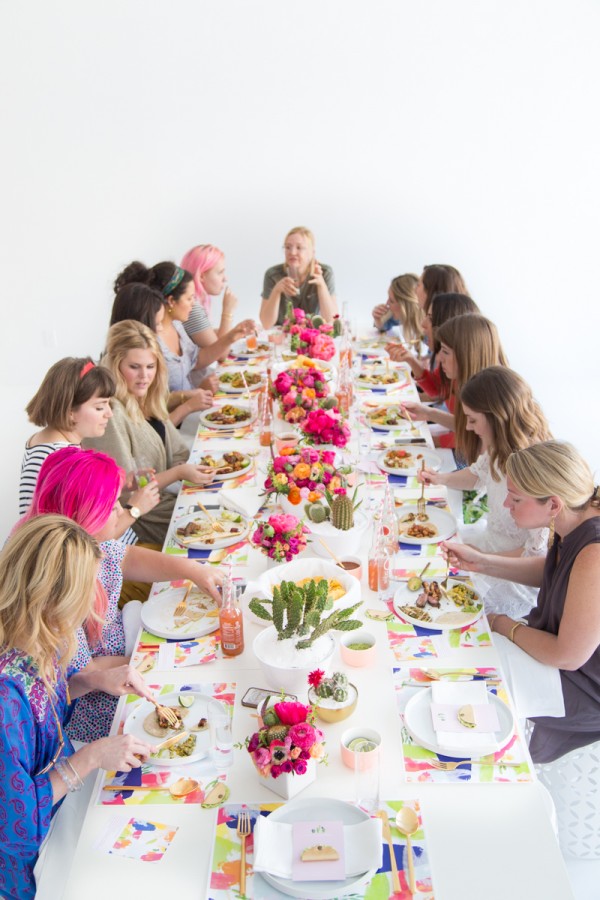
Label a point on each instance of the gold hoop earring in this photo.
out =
(551, 533)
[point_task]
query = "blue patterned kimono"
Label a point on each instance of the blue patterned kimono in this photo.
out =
(28, 741)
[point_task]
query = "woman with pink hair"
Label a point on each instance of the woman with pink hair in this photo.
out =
(84, 485)
(206, 264)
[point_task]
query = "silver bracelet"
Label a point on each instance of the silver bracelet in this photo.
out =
(60, 767)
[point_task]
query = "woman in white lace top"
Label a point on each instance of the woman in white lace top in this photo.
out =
(501, 416)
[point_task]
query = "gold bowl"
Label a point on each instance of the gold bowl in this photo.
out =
(337, 713)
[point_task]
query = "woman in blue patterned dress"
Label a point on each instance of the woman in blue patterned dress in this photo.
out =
(48, 571)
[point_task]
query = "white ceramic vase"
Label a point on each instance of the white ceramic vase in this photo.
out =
(288, 785)
(343, 543)
(285, 668)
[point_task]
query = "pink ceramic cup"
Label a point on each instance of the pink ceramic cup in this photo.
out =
(286, 439)
(352, 734)
(358, 658)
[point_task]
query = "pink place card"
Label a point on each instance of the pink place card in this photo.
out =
(315, 846)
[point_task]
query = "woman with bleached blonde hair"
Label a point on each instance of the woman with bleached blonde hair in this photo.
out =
(140, 433)
(551, 485)
(301, 279)
(48, 571)
(502, 416)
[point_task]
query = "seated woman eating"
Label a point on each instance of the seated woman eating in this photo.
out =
(401, 315)
(48, 571)
(550, 485)
(301, 279)
(502, 416)
(140, 428)
(72, 404)
(206, 264)
(84, 485)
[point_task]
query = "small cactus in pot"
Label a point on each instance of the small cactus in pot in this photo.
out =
(334, 698)
(339, 510)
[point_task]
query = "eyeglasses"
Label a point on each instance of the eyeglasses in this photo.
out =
(61, 741)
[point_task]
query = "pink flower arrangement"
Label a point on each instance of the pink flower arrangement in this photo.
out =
(299, 390)
(314, 343)
(305, 474)
(280, 537)
(298, 740)
(323, 426)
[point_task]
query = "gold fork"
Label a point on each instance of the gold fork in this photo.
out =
(451, 766)
(167, 713)
(421, 502)
(244, 828)
(387, 834)
(216, 525)
(181, 606)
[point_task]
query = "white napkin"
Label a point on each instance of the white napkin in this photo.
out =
(535, 687)
(273, 852)
(459, 694)
(244, 500)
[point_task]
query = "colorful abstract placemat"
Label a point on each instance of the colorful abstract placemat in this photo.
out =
(225, 868)
(156, 652)
(487, 769)
(141, 840)
(413, 642)
(157, 779)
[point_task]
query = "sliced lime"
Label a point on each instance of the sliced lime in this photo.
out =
(186, 700)
(361, 745)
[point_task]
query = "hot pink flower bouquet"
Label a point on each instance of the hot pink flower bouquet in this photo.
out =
(299, 391)
(325, 426)
(286, 741)
(280, 537)
(305, 474)
(314, 343)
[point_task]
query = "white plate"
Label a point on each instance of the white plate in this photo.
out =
(432, 460)
(444, 522)
(134, 724)
(219, 455)
(219, 542)
(157, 616)
(419, 724)
(372, 348)
(404, 597)
(233, 426)
(402, 378)
(325, 810)
(240, 349)
(228, 389)
(402, 425)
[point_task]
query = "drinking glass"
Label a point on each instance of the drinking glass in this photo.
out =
(366, 781)
(221, 737)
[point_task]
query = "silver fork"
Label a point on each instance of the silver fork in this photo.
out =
(421, 502)
(244, 828)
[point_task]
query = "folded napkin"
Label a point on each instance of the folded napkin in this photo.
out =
(459, 694)
(535, 687)
(273, 850)
(244, 500)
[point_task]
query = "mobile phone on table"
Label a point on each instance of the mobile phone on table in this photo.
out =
(255, 696)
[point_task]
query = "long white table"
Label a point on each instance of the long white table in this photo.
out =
(488, 841)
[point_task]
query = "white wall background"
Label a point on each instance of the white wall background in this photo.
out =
(403, 133)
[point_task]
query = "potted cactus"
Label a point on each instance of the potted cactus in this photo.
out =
(299, 638)
(337, 522)
(333, 698)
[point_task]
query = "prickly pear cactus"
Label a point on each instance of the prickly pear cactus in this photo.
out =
(342, 512)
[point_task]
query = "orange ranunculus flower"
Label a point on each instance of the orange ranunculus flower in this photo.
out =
(314, 496)
(301, 470)
(294, 496)
(317, 751)
(288, 451)
(336, 482)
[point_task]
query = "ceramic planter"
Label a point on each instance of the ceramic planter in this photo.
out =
(288, 785)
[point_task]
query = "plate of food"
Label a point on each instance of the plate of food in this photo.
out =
(423, 602)
(197, 532)
(384, 377)
(372, 347)
(305, 362)
(321, 809)
(408, 460)
(201, 615)
(418, 722)
(388, 417)
(147, 723)
(240, 349)
(224, 418)
(431, 527)
(227, 465)
(231, 381)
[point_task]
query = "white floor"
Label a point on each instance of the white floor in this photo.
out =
(585, 877)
